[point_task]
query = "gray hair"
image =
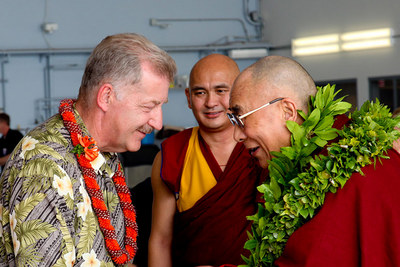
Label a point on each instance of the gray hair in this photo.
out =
(118, 59)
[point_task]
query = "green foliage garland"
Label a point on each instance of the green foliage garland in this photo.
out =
(299, 178)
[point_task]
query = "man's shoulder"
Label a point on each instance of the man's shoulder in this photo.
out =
(53, 126)
(179, 138)
(49, 136)
(384, 170)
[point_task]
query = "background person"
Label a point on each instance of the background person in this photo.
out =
(64, 199)
(203, 180)
(333, 226)
(9, 139)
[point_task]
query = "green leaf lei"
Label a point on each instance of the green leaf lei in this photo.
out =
(299, 178)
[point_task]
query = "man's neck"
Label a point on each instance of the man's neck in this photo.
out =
(221, 144)
(91, 121)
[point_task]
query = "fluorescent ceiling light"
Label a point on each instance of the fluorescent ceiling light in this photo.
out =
(332, 43)
(315, 40)
(247, 53)
(368, 44)
(322, 44)
(315, 50)
(370, 34)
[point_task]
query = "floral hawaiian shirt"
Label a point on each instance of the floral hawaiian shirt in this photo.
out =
(46, 217)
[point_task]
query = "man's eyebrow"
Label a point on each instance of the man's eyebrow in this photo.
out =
(157, 102)
(196, 88)
(221, 85)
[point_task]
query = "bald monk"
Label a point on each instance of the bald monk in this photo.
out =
(356, 223)
(204, 182)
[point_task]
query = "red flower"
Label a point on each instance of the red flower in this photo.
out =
(90, 150)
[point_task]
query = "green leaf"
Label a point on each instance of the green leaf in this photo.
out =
(66, 235)
(340, 108)
(319, 142)
(29, 232)
(304, 213)
(25, 207)
(327, 134)
(42, 149)
(41, 166)
(87, 234)
(275, 188)
(325, 123)
(296, 130)
(250, 244)
(312, 120)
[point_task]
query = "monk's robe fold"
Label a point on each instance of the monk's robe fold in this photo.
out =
(213, 231)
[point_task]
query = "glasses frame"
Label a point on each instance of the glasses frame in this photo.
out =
(237, 120)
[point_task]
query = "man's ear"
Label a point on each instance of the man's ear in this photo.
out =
(188, 97)
(289, 109)
(105, 95)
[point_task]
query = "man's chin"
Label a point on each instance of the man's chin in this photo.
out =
(134, 146)
(263, 163)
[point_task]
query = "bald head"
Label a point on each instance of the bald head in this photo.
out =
(211, 80)
(212, 64)
(280, 76)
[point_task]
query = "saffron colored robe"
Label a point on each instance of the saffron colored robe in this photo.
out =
(359, 225)
(214, 230)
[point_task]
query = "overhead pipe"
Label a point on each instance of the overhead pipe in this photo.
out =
(159, 22)
(174, 48)
(45, 51)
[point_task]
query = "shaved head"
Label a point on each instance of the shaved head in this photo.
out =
(213, 63)
(277, 75)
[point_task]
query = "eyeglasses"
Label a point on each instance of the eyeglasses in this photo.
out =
(237, 120)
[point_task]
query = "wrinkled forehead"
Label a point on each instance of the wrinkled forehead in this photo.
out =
(242, 95)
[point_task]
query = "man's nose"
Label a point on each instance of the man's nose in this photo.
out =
(156, 120)
(238, 134)
(212, 100)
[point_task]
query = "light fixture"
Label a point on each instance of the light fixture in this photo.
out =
(321, 44)
(247, 53)
(332, 43)
(363, 35)
(366, 39)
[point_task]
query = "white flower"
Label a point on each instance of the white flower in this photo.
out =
(63, 185)
(16, 243)
(90, 260)
(70, 258)
(13, 221)
(82, 210)
(85, 195)
(28, 143)
(97, 162)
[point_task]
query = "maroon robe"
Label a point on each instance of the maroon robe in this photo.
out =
(213, 231)
(359, 225)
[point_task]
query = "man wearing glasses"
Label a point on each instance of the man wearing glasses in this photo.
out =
(204, 182)
(357, 222)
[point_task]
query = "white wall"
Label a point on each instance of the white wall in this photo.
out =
(84, 23)
(288, 19)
